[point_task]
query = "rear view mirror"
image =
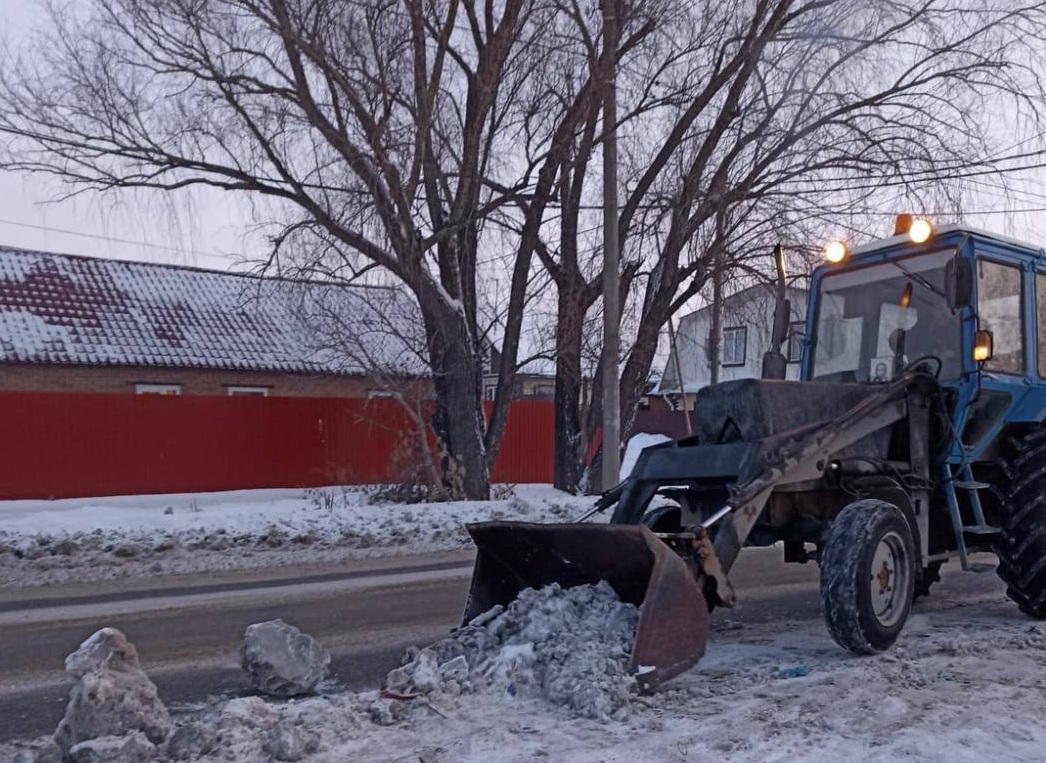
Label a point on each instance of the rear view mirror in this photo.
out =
(958, 282)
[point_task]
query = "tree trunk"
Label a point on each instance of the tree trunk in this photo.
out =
(458, 420)
(636, 372)
(568, 439)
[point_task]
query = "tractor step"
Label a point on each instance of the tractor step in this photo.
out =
(970, 485)
(980, 567)
(981, 530)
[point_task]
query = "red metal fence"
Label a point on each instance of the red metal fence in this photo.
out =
(69, 445)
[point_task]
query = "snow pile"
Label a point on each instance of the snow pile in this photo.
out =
(570, 647)
(76, 540)
(965, 683)
(636, 445)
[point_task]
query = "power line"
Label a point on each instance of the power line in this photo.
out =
(113, 239)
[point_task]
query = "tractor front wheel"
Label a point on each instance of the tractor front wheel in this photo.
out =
(867, 576)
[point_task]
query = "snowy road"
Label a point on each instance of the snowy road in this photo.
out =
(188, 630)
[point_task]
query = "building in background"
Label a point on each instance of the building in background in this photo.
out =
(747, 320)
(535, 379)
(82, 324)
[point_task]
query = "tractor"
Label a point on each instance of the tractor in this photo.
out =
(914, 437)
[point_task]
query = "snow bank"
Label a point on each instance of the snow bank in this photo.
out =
(570, 647)
(133, 536)
(966, 683)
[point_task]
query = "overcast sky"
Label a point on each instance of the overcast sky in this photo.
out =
(211, 229)
(205, 229)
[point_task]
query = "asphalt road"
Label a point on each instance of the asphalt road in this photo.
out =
(188, 630)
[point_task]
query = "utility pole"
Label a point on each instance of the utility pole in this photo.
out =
(679, 374)
(611, 256)
(715, 331)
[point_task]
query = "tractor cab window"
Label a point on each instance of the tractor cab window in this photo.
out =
(999, 311)
(876, 320)
(1040, 310)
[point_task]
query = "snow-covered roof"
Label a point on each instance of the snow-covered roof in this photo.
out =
(755, 292)
(64, 309)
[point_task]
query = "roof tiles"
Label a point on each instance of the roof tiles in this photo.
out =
(62, 309)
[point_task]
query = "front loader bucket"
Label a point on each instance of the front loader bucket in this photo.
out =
(673, 615)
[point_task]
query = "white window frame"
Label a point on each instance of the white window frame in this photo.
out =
(157, 389)
(238, 390)
(729, 360)
(489, 392)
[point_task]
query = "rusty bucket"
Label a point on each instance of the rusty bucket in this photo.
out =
(673, 615)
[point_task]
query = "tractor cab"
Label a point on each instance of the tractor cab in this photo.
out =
(958, 303)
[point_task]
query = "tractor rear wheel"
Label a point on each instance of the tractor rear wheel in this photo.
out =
(867, 576)
(1022, 546)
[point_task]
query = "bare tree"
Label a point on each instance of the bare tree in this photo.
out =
(375, 124)
(800, 112)
(407, 138)
(375, 332)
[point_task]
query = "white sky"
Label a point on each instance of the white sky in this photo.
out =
(212, 229)
(208, 229)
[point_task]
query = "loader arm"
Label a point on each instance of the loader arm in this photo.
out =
(805, 458)
(761, 467)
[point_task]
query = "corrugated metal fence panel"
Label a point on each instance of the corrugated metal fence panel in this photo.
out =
(70, 445)
(527, 448)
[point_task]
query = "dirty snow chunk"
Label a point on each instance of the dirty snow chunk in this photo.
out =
(190, 741)
(106, 649)
(571, 647)
(291, 742)
(385, 712)
(48, 752)
(113, 696)
(281, 660)
(130, 748)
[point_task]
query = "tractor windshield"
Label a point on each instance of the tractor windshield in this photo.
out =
(875, 320)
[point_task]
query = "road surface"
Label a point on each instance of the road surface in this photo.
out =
(187, 629)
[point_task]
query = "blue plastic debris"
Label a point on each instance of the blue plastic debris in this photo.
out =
(797, 672)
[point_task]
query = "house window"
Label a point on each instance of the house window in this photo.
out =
(544, 390)
(735, 342)
(489, 391)
(247, 391)
(795, 342)
(157, 389)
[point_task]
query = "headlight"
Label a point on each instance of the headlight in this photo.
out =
(835, 252)
(920, 231)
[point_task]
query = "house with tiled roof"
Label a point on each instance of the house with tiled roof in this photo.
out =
(82, 324)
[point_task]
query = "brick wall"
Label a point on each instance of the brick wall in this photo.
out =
(41, 378)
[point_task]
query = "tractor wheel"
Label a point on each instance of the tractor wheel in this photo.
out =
(867, 576)
(1022, 547)
(663, 519)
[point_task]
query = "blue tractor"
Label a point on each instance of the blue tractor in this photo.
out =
(914, 437)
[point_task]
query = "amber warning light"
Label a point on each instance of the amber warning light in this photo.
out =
(918, 229)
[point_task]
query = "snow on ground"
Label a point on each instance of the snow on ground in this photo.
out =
(966, 682)
(50, 542)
